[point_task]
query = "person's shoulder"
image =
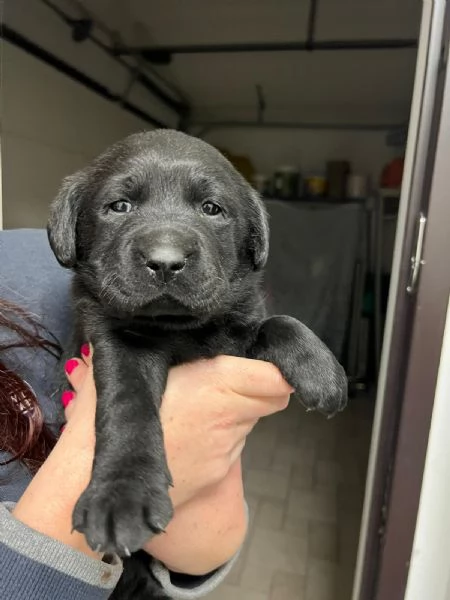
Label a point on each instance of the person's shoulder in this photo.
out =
(22, 242)
(27, 251)
(31, 277)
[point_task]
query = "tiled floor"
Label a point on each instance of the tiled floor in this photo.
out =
(304, 477)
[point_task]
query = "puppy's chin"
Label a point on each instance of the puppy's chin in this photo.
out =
(170, 309)
(167, 312)
(171, 312)
(165, 305)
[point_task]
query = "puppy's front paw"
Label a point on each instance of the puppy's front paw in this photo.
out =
(120, 515)
(305, 362)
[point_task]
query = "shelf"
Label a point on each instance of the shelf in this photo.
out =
(317, 200)
(390, 192)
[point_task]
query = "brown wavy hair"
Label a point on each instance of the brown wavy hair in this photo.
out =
(23, 433)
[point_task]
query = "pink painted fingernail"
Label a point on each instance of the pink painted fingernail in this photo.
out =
(85, 350)
(67, 398)
(62, 428)
(71, 365)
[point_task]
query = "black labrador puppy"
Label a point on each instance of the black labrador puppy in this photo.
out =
(168, 243)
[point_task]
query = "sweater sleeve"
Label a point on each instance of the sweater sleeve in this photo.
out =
(188, 587)
(34, 565)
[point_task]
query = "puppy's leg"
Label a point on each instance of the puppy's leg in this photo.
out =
(137, 581)
(127, 498)
(304, 361)
(71, 349)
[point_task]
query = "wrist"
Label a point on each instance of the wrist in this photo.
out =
(48, 502)
(205, 532)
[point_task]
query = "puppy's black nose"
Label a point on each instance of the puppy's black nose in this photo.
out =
(165, 262)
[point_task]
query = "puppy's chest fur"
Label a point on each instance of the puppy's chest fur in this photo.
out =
(231, 333)
(207, 341)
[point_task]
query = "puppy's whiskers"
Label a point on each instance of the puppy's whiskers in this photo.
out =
(106, 292)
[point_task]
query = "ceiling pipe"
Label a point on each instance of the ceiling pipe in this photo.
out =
(17, 39)
(164, 54)
(114, 36)
(205, 127)
(261, 103)
(311, 24)
(82, 30)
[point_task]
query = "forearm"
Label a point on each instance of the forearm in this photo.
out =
(34, 565)
(48, 502)
(207, 531)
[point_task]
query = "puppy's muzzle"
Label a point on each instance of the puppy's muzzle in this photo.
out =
(167, 253)
(165, 263)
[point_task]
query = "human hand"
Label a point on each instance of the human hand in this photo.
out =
(209, 408)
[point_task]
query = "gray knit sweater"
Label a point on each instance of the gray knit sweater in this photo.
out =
(34, 566)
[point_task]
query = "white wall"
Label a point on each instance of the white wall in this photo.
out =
(360, 86)
(367, 151)
(429, 571)
(340, 87)
(52, 125)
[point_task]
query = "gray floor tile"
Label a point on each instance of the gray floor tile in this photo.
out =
(295, 525)
(304, 478)
(323, 541)
(270, 514)
(329, 473)
(278, 550)
(321, 580)
(232, 592)
(287, 586)
(266, 483)
(290, 454)
(314, 505)
(256, 577)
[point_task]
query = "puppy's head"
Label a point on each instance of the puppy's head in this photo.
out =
(160, 225)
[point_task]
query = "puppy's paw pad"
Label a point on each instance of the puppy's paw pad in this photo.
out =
(322, 391)
(120, 518)
(305, 362)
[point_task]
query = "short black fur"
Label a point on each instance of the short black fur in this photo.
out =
(163, 277)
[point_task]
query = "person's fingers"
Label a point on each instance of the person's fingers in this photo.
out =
(87, 351)
(70, 404)
(70, 398)
(248, 377)
(76, 370)
(237, 451)
(248, 424)
(242, 428)
(254, 408)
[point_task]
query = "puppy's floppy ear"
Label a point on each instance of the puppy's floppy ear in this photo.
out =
(62, 222)
(258, 236)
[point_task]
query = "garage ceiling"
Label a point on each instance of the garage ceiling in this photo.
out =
(344, 86)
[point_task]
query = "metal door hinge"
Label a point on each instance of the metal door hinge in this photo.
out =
(416, 259)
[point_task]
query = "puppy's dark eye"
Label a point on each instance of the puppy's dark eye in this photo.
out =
(211, 209)
(121, 206)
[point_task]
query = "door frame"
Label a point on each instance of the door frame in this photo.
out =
(422, 370)
(402, 417)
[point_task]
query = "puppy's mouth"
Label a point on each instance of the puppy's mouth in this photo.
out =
(178, 320)
(166, 310)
